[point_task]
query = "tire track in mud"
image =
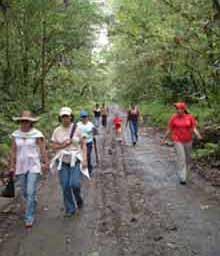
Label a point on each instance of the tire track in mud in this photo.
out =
(129, 220)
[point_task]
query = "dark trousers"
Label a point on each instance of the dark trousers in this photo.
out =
(104, 120)
(134, 130)
(89, 156)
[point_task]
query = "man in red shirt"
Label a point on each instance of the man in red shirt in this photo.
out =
(181, 126)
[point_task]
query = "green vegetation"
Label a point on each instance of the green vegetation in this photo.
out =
(46, 60)
(165, 51)
(159, 52)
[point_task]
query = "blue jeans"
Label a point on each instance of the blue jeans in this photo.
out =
(133, 125)
(28, 183)
(70, 183)
(89, 156)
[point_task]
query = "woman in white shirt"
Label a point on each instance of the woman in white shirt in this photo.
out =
(70, 154)
(28, 146)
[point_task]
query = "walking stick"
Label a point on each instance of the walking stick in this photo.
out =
(96, 151)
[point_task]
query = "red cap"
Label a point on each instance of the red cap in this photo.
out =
(180, 105)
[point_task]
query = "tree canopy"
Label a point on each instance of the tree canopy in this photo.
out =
(167, 49)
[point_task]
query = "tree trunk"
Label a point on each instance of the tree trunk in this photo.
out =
(7, 46)
(43, 71)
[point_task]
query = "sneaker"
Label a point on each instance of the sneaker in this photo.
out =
(134, 143)
(29, 224)
(182, 182)
(80, 204)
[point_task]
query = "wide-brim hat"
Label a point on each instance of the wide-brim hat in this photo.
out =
(180, 105)
(26, 116)
(65, 111)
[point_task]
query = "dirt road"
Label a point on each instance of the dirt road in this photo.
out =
(134, 206)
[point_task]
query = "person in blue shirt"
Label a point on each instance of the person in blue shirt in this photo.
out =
(87, 129)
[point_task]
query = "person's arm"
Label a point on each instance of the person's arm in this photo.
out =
(12, 158)
(94, 130)
(140, 117)
(128, 118)
(84, 153)
(58, 146)
(55, 145)
(194, 128)
(167, 134)
(121, 126)
(197, 133)
(42, 145)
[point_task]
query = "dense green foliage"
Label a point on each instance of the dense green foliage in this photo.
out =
(166, 49)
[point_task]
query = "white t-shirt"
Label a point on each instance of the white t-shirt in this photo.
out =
(86, 130)
(62, 134)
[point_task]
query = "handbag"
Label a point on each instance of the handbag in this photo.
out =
(9, 190)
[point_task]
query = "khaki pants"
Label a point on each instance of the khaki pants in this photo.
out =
(184, 151)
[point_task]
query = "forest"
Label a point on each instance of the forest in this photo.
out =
(158, 52)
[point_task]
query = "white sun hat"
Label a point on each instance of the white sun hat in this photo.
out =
(65, 111)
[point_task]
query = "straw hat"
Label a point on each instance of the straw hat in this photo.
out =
(26, 116)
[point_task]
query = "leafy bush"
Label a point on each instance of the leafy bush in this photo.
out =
(209, 150)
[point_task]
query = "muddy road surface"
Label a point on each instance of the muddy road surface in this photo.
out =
(134, 206)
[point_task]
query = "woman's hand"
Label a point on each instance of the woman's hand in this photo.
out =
(67, 143)
(168, 132)
(45, 167)
(197, 133)
(84, 165)
(162, 142)
(199, 137)
(11, 174)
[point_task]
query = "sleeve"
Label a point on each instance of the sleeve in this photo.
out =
(78, 134)
(54, 136)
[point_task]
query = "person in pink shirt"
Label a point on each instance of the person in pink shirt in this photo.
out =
(181, 127)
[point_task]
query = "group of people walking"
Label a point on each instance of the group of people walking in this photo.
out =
(101, 113)
(73, 142)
